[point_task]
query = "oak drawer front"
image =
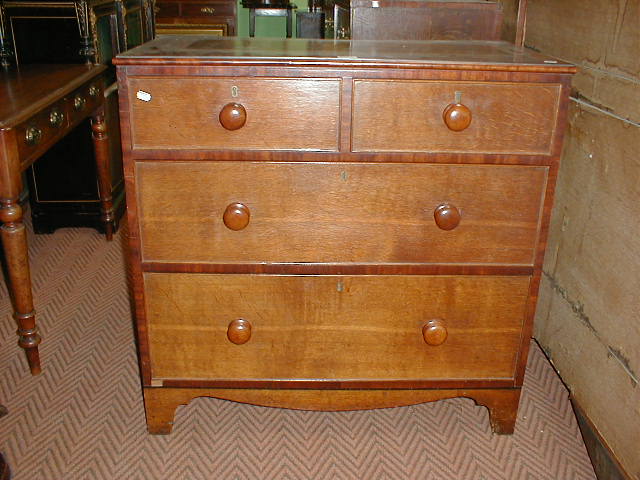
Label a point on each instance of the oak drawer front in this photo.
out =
(409, 116)
(337, 212)
(279, 114)
(332, 327)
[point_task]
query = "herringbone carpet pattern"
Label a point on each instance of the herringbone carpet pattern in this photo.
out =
(83, 418)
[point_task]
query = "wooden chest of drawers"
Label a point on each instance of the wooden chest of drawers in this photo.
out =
(337, 225)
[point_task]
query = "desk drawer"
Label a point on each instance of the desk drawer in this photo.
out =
(84, 100)
(37, 134)
(338, 213)
(408, 116)
(333, 327)
(279, 114)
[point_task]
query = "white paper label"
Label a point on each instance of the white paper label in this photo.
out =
(144, 96)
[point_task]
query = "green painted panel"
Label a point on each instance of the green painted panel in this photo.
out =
(268, 26)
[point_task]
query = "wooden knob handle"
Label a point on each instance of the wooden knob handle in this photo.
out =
(233, 116)
(239, 331)
(457, 116)
(434, 332)
(447, 216)
(236, 216)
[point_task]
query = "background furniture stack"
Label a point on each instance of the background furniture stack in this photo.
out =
(211, 17)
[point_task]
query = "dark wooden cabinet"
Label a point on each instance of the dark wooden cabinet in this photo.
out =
(217, 17)
(63, 191)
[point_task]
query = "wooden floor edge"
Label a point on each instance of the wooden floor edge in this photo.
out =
(605, 463)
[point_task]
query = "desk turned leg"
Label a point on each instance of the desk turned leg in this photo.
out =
(14, 242)
(101, 147)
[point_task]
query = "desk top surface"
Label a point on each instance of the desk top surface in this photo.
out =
(27, 89)
(211, 50)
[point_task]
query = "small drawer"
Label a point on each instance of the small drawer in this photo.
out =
(209, 9)
(84, 100)
(235, 113)
(454, 117)
(334, 327)
(38, 132)
(253, 212)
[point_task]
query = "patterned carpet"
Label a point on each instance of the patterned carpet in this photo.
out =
(83, 418)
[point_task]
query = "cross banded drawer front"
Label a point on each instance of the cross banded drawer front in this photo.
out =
(271, 114)
(334, 327)
(302, 212)
(419, 116)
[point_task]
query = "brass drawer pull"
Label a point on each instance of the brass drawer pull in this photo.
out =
(447, 216)
(94, 90)
(239, 331)
(79, 102)
(32, 136)
(56, 117)
(208, 10)
(434, 332)
(236, 216)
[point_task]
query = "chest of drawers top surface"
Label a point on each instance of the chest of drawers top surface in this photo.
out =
(195, 49)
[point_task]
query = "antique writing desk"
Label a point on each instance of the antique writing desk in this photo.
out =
(337, 224)
(40, 104)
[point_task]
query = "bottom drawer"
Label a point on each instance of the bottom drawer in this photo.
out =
(334, 327)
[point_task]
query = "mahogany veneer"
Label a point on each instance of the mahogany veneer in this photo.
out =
(337, 225)
(39, 105)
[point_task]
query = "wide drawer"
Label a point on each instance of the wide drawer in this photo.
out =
(408, 116)
(333, 327)
(338, 212)
(280, 114)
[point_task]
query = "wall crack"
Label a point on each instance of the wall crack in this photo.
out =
(578, 309)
